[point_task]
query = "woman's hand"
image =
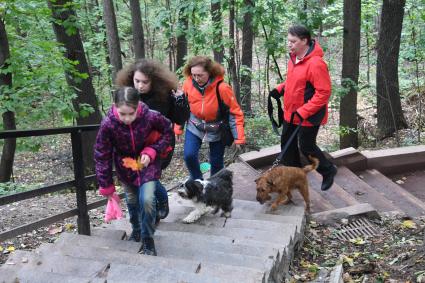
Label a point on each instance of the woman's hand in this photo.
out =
(145, 160)
(177, 92)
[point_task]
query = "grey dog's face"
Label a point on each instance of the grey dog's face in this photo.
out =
(192, 189)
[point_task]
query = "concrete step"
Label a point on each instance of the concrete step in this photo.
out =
(239, 219)
(110, 272)
(172, 250)
(130, 274)
(363, 192)
(250, 207)
(223, 272)
(336, 196)
(25, 266)
(404, 200)
(23, 276)
(280, 237)
(108, 233)
(218, 243)
(244, 181)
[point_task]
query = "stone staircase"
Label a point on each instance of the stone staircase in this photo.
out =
(254, 245)
(356, 182)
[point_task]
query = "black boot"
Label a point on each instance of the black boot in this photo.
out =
(328, 178)
(162, 209)
(135, 236)
(148, 247)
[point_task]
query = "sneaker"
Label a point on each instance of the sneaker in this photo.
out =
(328, 178)
(148, 247)
(162, 209)
(135, 236)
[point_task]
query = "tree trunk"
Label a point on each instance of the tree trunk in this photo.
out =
(247, 42)
(112, 37)
(217, 31)
(137, 27)
(232, 56)
(9, 147)
(390, 113)
(350, 71)
(74, 51)
(181, 39)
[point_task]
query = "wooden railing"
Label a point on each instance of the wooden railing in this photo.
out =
(79, 183)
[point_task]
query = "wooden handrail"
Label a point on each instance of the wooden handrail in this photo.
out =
(79, 182)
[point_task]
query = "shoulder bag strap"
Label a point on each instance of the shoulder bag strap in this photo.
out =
(220, 101)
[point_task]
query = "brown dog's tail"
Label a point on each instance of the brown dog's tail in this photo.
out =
(313, 165)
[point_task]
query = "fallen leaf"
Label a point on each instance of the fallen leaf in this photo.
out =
(348, 260)
(132, 163)
(356, 254)
(10, 248)
(358, 241)
(408, 224)
(1, 249)
(55, 230)
(69, 226)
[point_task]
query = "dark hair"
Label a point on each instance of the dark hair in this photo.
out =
(213, 68)
(301, 32)
(162, 79)
(126, 96)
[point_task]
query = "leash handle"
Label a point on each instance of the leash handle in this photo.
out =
(291, 138)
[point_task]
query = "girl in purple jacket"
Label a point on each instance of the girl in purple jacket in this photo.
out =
(122, 134)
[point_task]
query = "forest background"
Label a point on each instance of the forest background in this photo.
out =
(58, 59)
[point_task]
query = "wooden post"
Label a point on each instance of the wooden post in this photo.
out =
(83, 220)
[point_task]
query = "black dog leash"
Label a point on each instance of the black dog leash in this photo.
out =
(288, 143)
(277, 96)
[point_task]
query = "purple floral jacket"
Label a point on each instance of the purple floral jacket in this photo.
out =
(115, 141)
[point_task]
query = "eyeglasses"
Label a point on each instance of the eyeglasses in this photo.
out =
(199, 76)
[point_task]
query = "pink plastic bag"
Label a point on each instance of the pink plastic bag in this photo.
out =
(113, 208)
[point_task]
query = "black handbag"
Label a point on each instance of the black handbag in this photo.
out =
(226, 135)
(181, 109)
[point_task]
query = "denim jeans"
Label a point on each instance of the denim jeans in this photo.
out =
(141, 203)
(192, 144)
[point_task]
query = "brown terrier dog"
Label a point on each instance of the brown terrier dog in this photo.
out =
(283, 179)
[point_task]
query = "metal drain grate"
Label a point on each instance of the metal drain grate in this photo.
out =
(361, 227)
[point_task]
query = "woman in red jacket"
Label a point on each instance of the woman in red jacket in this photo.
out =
(204, 80)
(306, 93)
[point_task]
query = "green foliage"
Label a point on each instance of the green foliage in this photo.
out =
(35, 62)
(259, 131)
(9, 188)
(40, 95)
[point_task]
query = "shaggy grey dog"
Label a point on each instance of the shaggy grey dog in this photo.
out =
(210, 195)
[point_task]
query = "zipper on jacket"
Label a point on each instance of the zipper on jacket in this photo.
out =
(134, 148)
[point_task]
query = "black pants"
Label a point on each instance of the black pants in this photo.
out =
(306, 142)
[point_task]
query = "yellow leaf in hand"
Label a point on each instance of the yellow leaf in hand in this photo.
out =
(408, 224)
(132, 164)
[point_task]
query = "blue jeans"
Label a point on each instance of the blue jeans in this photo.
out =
(192, 144)
(141, 203)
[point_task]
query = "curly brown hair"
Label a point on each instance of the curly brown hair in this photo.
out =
(213, 68)
(163, 81)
